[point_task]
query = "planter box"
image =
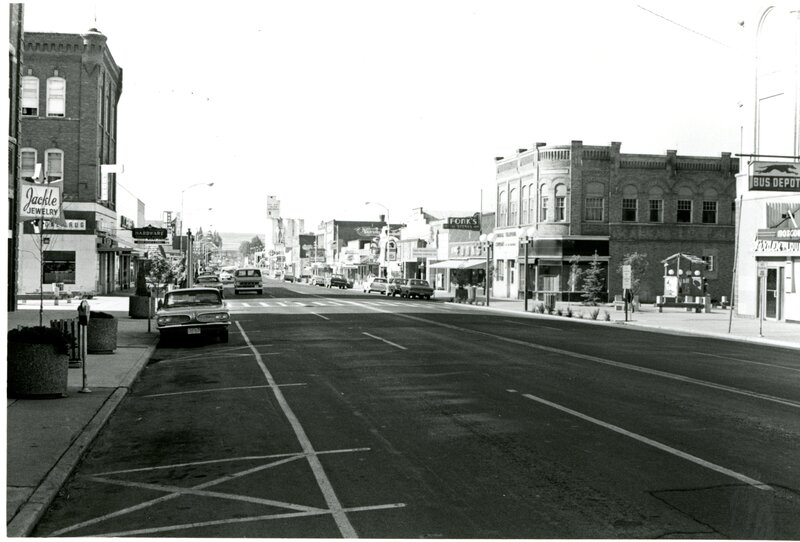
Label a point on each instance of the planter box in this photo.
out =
(36, 371)
(139, 306)
(101, 336)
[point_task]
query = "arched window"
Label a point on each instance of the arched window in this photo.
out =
(544, 203)
(53, 164)
(502, 209)
(56, 96)
(630, 203)
(655, 205)
(513, 206)
(29, 96)
(532, 202)
(27, 162)
(561, 203)
(710, 198)
(523, 197)
(593, 208)
(684, 212)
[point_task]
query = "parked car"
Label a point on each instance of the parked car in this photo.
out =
(288, 277)
(209, 281)
(317, 280)
(336, 281)
(193, 312)
(416, 288)
(226, 277)
(247, 278)
(393, 287)
(349, 282)
(376, 284)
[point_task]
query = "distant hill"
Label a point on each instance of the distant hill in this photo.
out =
(231, 241)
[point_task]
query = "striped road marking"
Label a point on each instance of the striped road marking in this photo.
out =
(653, 443)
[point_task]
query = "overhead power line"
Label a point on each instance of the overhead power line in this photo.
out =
(683, 26)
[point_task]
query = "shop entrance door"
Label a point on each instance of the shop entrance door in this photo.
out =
(773, 293)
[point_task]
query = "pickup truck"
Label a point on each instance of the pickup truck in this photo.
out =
(416, 288)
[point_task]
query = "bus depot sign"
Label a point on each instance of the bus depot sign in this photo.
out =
(775, 177)
(472, 223)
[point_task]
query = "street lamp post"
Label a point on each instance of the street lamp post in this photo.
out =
(525, 235)
(182, 192)
(488, 241)
(388, 229)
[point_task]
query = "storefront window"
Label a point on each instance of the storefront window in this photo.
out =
(59, 266)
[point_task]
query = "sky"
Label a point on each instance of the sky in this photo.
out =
(327, 105)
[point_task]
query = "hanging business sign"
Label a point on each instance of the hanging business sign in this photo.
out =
(150, 233)
(472, 223)
(39, 200)
(775, 176)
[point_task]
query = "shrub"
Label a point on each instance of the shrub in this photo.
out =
(568, 314)
(540, 308)
(580, 315)
(606, 316)
(40, 335)
(559, 312)
(594, 313)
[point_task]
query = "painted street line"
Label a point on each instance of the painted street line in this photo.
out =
(339, 516)
(230, 460)
(748, 361)
(218, 389)
(323, 317)
(384, 340)
(653, 443)
(617, 364)
(527, 323)
(144, 532)
(263, 304)
(243, 304)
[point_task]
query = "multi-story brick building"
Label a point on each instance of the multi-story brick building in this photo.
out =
(70, 86)
(578, 203)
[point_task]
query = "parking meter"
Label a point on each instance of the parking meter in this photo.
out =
(83, 326)
(83, 313)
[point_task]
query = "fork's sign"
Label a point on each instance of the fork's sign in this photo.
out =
(464, 222)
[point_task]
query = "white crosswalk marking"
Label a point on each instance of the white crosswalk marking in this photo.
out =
(263, 304)
(245, 304)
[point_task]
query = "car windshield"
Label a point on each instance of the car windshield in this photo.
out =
(207, 279)
(337, 276)
(417, 282)
(248, 273)
(378, 280)
(186, 299)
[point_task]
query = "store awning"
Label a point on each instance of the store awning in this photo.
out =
(459, 264)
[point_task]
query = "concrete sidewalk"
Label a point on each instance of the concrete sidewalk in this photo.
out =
(46, 438)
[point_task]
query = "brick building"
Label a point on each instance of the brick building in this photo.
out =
(576, 203)
(70, 88)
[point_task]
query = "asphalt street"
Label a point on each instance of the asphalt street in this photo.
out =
(338, 414)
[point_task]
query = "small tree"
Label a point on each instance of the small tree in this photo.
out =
(593, 282)
(639, 266)
(256, 244)
(159, 273)
(244, 248)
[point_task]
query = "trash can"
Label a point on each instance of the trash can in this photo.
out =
(101, 335)
(472, 292)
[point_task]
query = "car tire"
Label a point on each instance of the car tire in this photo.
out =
(223, 335)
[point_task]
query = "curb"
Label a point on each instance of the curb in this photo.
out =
(29, 514)
(648, 328)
